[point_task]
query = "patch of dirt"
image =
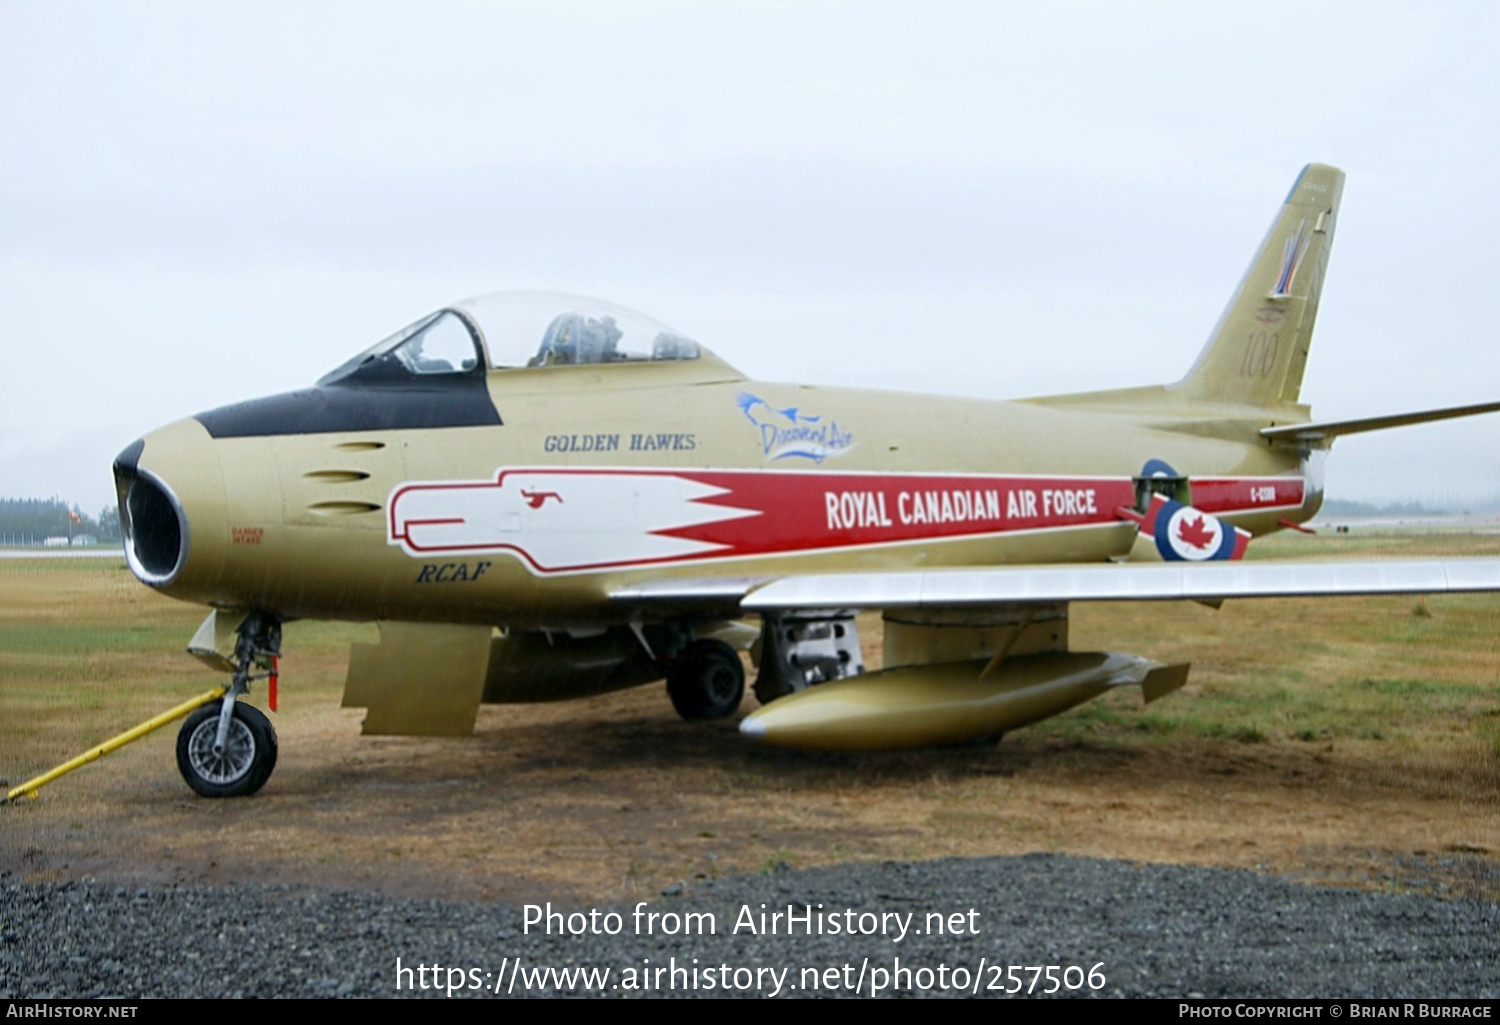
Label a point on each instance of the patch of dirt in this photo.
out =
(615, 798)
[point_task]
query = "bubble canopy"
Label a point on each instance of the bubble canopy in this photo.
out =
(508, 330)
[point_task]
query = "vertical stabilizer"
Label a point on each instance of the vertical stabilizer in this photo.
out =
(1258, 350)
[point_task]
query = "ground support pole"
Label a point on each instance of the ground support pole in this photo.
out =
(31, 786)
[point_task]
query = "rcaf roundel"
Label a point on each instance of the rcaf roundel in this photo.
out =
(1184, 534)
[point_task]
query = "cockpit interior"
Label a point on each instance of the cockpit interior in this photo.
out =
(515, 330)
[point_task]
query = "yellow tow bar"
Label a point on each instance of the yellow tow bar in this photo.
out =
(31, 786)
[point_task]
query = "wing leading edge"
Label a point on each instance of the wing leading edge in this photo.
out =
(1004, 585)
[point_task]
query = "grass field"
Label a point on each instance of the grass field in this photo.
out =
(1349, 740)
(1407, 673)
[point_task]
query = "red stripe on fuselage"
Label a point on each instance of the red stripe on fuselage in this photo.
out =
(801, 511)
(785, 511)
(1245, 494)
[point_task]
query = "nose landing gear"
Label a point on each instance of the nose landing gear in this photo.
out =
(241, 766)
(229, 749)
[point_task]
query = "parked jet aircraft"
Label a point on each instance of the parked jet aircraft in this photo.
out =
(542, 497)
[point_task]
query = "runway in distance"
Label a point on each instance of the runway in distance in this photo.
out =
(542, 497)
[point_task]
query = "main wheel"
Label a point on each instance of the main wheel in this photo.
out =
(242, 767)
(706, 681)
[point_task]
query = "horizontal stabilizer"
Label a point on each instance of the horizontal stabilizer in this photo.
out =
(1323, 432)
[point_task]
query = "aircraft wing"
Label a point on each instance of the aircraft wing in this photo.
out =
(976, 652)
(1001, 585)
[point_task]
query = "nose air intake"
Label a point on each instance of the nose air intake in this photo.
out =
(151, 520)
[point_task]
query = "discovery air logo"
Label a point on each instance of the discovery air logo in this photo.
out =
(790, 433)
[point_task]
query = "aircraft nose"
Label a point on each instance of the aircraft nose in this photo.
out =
(171, 493)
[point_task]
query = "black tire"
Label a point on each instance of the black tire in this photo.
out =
(245, 765)
(706, 681)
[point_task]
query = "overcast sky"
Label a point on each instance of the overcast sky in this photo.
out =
(203, 202)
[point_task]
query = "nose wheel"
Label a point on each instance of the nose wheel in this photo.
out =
(244, 762)
(228, 749)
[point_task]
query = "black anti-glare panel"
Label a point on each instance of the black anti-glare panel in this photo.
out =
(456, 402)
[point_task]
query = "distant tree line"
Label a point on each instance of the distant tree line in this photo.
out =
(1346, 507)
(1412, 508)
(26, 521)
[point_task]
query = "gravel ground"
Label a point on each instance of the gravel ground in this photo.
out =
(1159, 931)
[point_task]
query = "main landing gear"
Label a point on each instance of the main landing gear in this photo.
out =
(228, 749)
(706, 681)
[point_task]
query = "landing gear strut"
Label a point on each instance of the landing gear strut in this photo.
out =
(228, 749)
(802, 649)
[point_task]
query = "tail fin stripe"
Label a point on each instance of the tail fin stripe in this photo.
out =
(1296, 248)
(1257, 352)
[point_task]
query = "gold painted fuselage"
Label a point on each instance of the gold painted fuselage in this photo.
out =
(300, 524)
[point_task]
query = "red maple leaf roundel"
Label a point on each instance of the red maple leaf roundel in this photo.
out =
(1196, 532)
